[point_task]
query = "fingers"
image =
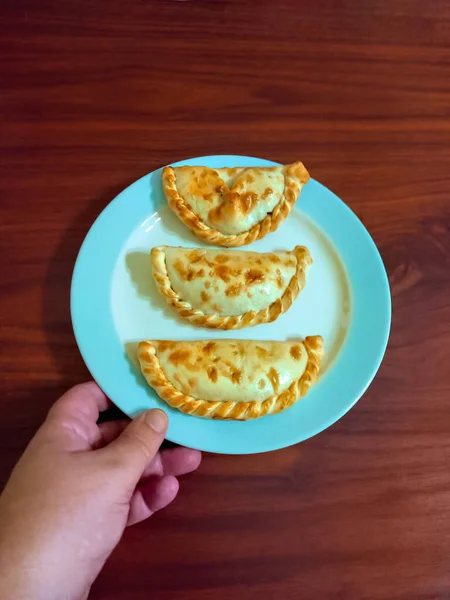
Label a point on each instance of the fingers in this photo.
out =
(170, 461)
(85, 399)
(162, 486)
(173, 461)
(138, 443)
(179, 461)
(157, 493)
(109, 431)
(72, 420)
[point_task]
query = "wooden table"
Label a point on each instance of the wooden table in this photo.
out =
(95, 94)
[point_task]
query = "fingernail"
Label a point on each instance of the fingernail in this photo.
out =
(157, 419)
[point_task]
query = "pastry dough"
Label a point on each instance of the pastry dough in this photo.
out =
(231, 379)
(233, 207)
(229, 289)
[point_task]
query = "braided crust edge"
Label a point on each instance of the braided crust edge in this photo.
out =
(217, 321)
(242, 411)
(269, 224)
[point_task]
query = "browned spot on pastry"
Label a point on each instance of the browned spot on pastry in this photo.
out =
(212, 374)
(192, 382)
(216, 289)
(195, 274)
(180, 269)
(290, 262)
(194, 366)
(254, 276)
(222, 258)
(236, 376)
(261, 352)
(179, 356)
(207, 284)
(204, 296)
(261, 384)
(280, 280)
(205, 184)
(215, 307)
(249, 294)
(247, 201)
(296, 352)
(274, 258)
(233, 290)
(215, 214)
(249, 178)
(164, 345)
(209, 347)
(225, 272)
(178, 380)
(195, 255)
(274, 379)
(267, 192)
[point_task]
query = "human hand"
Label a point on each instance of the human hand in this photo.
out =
(75, 489)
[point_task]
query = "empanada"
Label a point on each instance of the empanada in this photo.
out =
(231, 379)
(229, 289)
(233, 207)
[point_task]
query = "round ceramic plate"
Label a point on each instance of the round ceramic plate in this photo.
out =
(114, 305)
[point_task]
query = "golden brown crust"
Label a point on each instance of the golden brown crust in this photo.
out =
(248, 319)
(243, 411)
(293, 174)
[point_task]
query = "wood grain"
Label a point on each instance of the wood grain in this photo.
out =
(94, 95)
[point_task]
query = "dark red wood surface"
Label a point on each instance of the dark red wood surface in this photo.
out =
(95, 94)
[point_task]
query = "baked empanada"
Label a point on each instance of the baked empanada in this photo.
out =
(231, 379)
(233, 207)
(229, 289)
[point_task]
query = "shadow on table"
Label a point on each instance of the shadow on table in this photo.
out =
(31, 402)
(69, 365)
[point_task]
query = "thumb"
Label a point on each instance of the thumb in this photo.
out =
(139, 442)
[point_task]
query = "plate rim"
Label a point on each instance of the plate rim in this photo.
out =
(81, 277)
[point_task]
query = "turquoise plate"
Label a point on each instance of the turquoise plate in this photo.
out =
(346, 299)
